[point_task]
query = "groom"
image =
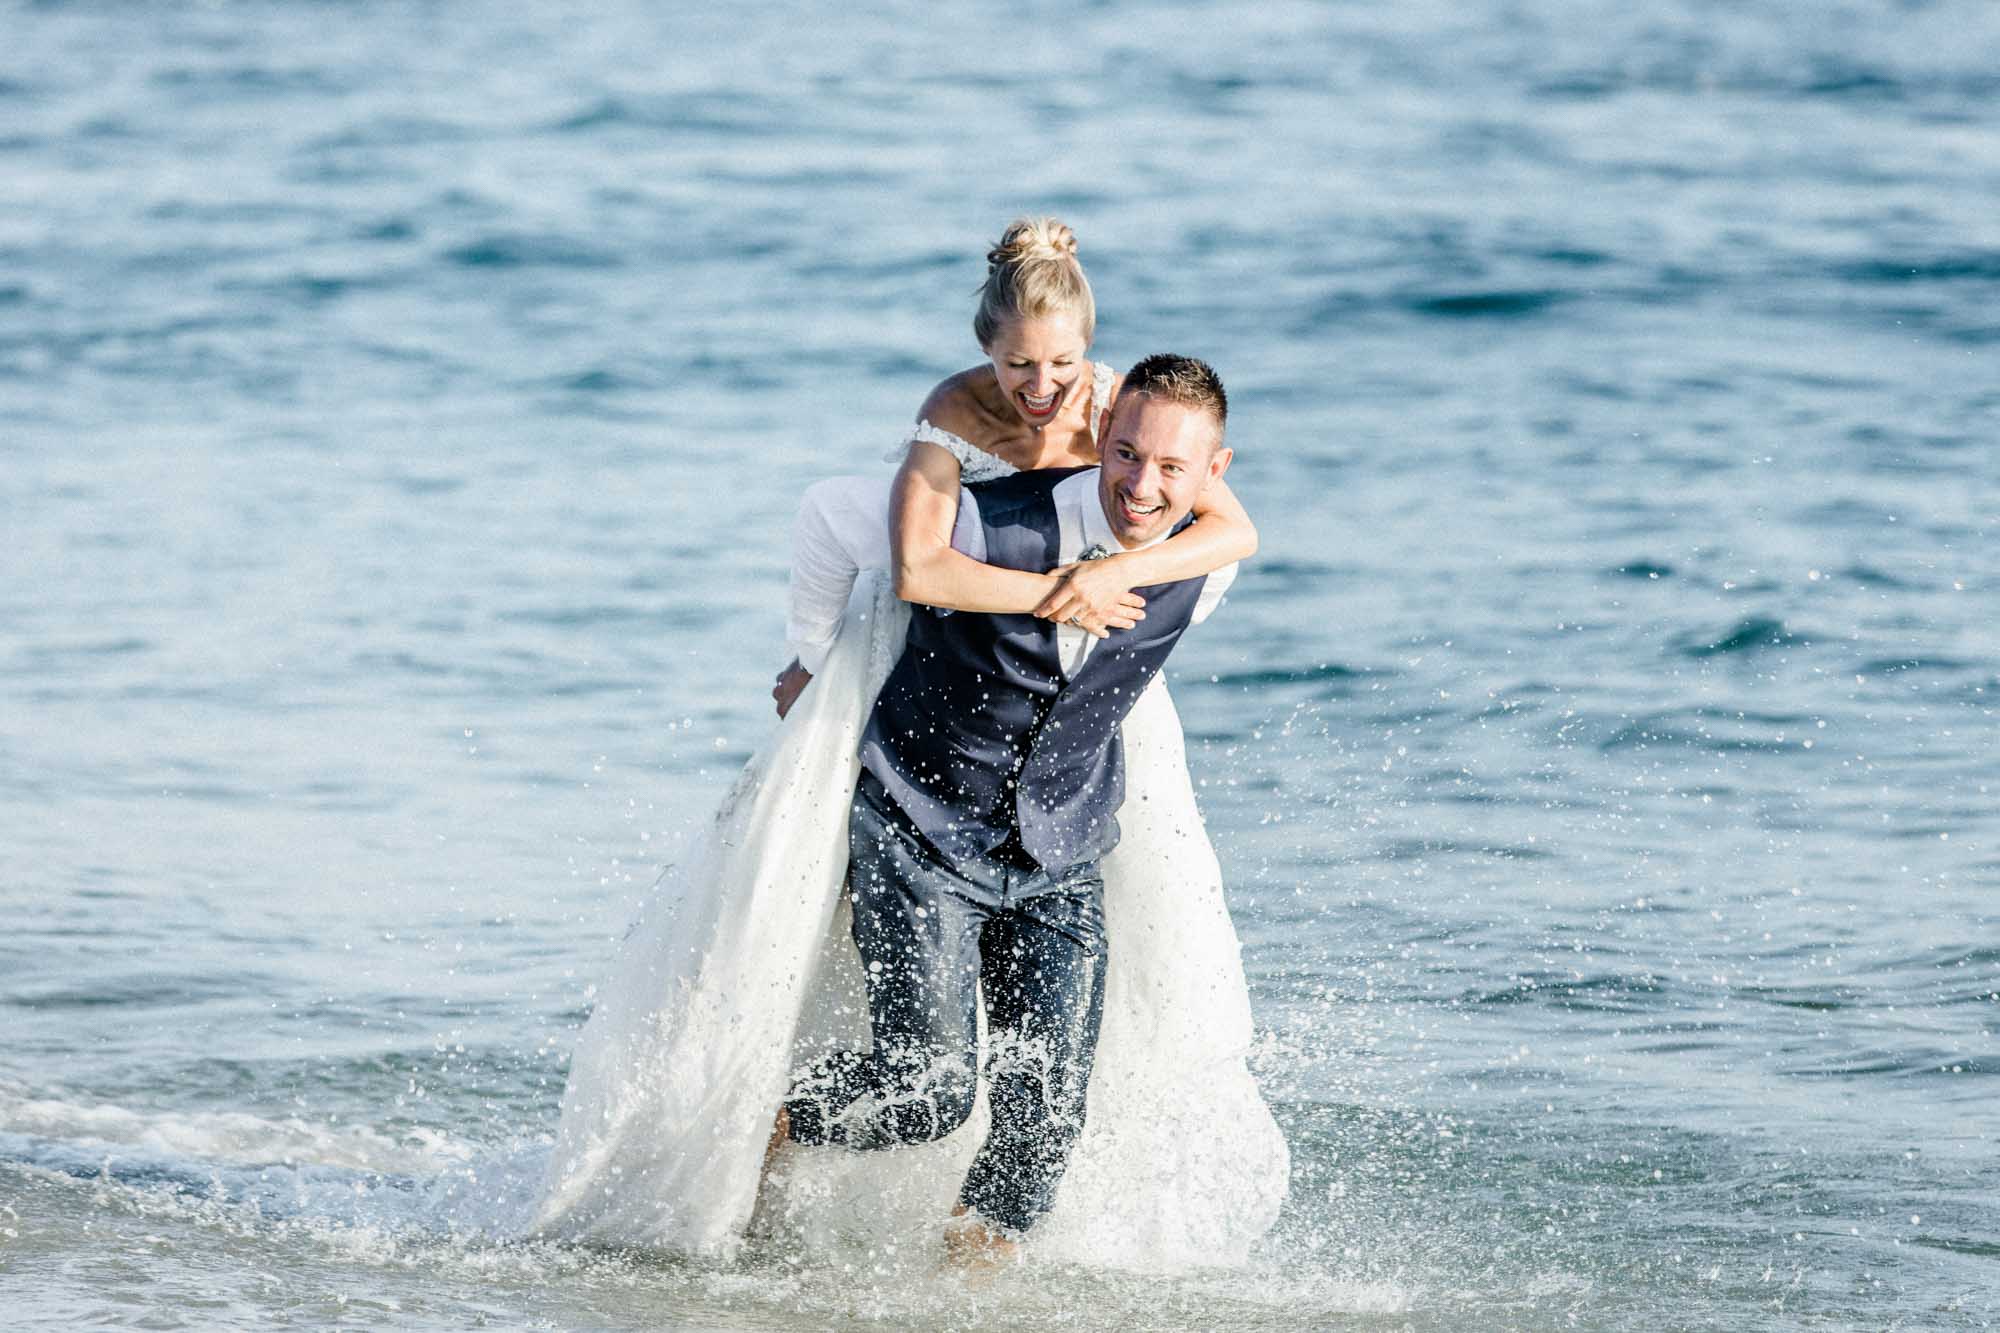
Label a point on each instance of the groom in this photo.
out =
(991, 775)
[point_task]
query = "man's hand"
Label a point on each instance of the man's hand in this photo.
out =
(1096, 595)
(791, 683)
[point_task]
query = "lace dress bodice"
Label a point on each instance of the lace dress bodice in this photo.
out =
(976, 464)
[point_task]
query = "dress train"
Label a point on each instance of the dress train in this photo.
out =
(740, 969)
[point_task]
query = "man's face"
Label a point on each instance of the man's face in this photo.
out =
(1158, 458)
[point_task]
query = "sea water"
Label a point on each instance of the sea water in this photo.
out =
(402, 409)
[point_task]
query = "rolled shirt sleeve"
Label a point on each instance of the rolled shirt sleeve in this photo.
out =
(1213, 591)
(842, 528)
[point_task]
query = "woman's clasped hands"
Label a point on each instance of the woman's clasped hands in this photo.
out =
(1093, 595)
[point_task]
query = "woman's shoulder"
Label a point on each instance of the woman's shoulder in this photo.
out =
(953, 418)
(957, 403)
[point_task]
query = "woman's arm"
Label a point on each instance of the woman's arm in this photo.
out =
(1222, 534)
(923, 509)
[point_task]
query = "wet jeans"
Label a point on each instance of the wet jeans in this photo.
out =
(930, 936)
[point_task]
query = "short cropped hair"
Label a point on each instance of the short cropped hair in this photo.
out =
(1186, 380)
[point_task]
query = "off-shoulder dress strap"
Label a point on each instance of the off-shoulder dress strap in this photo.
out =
(1101, 378)
(974, 463)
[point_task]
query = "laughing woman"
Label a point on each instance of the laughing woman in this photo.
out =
(742, 969)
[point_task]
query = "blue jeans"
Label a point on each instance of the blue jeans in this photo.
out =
(931, 935)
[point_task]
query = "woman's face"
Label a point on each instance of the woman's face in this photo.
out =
(1038, 362)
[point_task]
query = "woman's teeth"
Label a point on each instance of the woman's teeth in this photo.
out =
(1039, 405)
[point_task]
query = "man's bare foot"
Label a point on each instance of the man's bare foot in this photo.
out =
(973, 1248)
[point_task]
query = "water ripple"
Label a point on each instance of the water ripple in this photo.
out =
(1751, 634)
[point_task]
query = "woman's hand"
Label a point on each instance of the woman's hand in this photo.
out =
(791, 683)
(1094, 595)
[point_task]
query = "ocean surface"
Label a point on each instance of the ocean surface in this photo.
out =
(402, 410)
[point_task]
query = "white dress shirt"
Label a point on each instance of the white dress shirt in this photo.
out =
(1081, 523)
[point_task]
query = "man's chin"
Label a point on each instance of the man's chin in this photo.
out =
(1130, 537)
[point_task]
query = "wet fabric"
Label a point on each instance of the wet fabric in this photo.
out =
(934, 937)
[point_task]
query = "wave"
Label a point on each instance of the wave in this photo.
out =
(1609, 992)
(144, 990)
(47, 1130)
(713, 111)
(1752, 634)
(1422, 849)
(1335, 673)
(1896, 666)
(1981, 266)
(237, 81)
(1876, 1062)
(509, 250)
(437, 1208)
(1520, 304)
(606, 381)
(398, 131)
(1660, 732)
(1704, 70)
(1871, 577)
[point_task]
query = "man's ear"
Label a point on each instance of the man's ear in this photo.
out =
(1218, 463)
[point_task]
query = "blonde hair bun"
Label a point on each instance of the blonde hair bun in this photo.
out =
(1030, 239)
(1033, 273)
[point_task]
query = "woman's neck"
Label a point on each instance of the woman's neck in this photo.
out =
(1064, 440)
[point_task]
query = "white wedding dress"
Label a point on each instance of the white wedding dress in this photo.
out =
(741, 969)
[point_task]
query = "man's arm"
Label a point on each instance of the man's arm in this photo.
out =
(1221, 534)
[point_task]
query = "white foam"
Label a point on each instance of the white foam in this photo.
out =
(233, 1136)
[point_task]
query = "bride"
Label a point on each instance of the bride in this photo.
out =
(741, 969)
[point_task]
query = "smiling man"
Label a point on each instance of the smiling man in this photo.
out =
(992, 772)
(1164, 448)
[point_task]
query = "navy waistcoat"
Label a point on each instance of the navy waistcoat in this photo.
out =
(977, 733)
